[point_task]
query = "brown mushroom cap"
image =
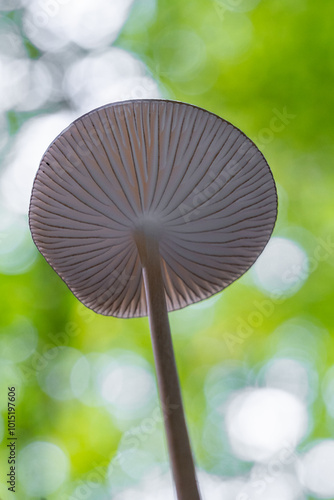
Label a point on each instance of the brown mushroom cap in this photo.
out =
(164, 168)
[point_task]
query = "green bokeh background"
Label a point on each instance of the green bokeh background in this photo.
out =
(248, 66)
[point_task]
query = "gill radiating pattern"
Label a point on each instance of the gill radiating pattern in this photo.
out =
(204, 183)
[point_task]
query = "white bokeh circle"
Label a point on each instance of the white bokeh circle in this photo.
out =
(316, 469)
(263, 422)
(54, 376)
(52, 24)
(108, 76)
(119, 380)
(282, 268)
(22, 163)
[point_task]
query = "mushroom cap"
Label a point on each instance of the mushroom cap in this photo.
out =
(167, 169)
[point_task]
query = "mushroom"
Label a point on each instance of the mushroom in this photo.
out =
(144, 207)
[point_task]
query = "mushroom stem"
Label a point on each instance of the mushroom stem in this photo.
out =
(168, 382)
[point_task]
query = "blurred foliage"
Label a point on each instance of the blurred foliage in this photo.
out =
(269, 70)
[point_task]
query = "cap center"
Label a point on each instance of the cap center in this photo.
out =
(148, 226)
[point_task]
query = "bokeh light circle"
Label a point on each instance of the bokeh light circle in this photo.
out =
(52, 25)
(21, 165)
(328, 390)
(270, 482)
(10, 5)
(43, 468)
(108, 76)
(10, 376)
(127, 386)
(262, 422)
(316, 469)
(184, 54)
(54, 376)
(282, 268)
(18, 340)
(17, 251)
(119, 380)
(289, 375)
